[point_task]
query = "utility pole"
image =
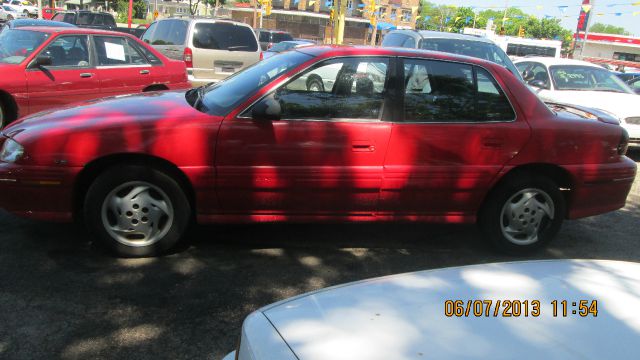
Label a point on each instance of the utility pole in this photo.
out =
(586, 29)
(339, 28)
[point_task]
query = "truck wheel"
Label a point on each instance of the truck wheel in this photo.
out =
(522, 214)
(136, 211)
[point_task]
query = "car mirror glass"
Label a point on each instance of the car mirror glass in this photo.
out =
(41, 60)
(528, 75)
(267, 109)
(538, 84)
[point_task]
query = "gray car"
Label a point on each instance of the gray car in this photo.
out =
(468, 45)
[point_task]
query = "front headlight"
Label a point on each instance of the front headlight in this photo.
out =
(11, 151)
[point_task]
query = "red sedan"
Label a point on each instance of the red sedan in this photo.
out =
(321, 134)
(42, 68)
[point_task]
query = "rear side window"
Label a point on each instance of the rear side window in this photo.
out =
(114, 51)
(395, 40)
(85, 19)
(108, 20)
(438, 91)
(170, 32)
(278, 37)
(148, 54)
(64, 17)
(224, 36)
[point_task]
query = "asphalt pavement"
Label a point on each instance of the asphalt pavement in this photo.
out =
(61, 297)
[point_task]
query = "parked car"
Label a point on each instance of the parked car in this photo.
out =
(24, 7)
(212, 49)
(87, 19)
(635, 85)
(468, 45)
(575, 303)
(470, 143)
(46, 67)
(25, 22)
(8, 13)
(284, 46)
(583, 83)
(626, 77)
(47, 12)
(268, 38)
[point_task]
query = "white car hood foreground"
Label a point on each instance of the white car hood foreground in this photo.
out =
(619, 104)
(402, 317)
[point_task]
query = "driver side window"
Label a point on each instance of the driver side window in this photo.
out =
(68, 51)
(348, 88)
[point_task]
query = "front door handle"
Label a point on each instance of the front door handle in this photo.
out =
(86, 75)
(144, 72)
(362, 146)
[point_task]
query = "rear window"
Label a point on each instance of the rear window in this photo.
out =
(264, 36)
(85, 19)
(224, 36)
(278, 37)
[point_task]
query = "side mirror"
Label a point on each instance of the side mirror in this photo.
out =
(528, 75)
(538, 84)
(267, 109)
(42, 60)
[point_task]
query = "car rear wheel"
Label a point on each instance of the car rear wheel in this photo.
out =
(522, 214)
(9, 17)
(136, 211)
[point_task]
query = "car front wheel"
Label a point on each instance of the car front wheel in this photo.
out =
(136, 211)
(522, 214)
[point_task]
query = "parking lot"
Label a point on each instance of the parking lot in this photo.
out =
(60, 297)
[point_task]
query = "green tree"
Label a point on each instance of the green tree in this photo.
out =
(608, 29)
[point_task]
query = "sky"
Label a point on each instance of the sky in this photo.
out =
(568, 8)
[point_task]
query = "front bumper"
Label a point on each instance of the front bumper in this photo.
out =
(38, 192)
(600, 188)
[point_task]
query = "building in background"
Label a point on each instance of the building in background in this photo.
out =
(616, 50)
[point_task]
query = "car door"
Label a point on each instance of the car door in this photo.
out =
(71, 76)
(122, 68)
(324, 156)
(456, 130)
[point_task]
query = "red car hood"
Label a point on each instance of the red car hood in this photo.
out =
(139, 109)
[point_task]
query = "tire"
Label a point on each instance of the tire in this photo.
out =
(517, 226)
(136, 211)
(315, 84)
(9, 17)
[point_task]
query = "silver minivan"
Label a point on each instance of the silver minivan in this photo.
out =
(212, 49)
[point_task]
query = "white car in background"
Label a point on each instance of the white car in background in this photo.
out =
(24, 7)
(7, 13)
(558, 309)
(585, 84)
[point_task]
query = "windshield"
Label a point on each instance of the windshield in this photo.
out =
(277, 37)
(586, 78)
(220, 98)
(477, 49)
(8, 8)
(17, 45)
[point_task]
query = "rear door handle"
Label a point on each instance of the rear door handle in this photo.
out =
(493, 143)
(362, 146)
(86, 75)
(144, 72)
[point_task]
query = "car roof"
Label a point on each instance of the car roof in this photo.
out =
(427, 34)
(38, 22)
(549, 61)
(73, 30)
(204, 20)
(359, 50)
